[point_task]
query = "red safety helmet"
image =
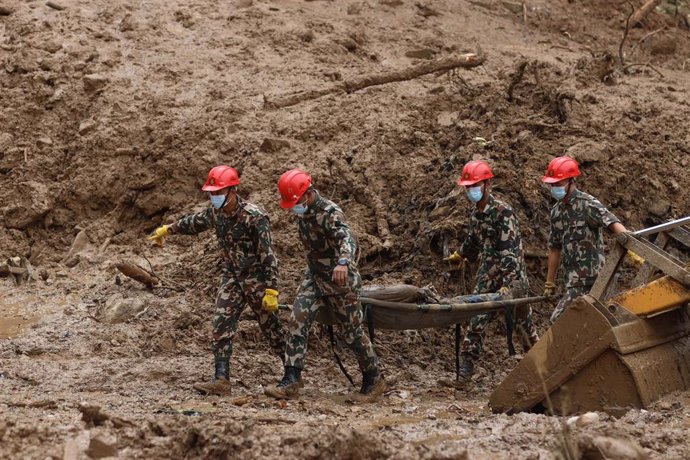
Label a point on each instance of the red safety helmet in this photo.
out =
(475, 171)
(561, 168)
(292, 185)
(220, 177)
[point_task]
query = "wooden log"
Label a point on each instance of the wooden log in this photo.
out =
(642, 12)
(466, 61)
(137, 273)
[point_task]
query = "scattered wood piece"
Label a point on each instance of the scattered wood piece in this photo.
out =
(137, 273)
(645, 64)
(78, 245)
(466, 61)
(55, 6)
(275, 420)
(621, 56)
(643, 11)
(644, 39)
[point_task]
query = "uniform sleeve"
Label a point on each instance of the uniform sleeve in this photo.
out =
(264, 251)
(508, 246)
(345, 242)
(470, 247)
(195, 223)
(556, 233)
(598, 215)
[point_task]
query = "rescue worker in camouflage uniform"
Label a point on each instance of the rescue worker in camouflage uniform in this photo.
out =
(494, 237)
(575, 241)
(250, 268)
(330, 281)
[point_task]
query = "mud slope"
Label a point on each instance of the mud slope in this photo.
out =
(113, 112)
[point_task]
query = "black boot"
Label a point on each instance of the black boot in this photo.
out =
(221, 383)
(373, 386)
(465, 372)
(222, 369)
(289, 386)
(466, 369)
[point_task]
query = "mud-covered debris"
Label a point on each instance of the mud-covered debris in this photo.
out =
(36, 203)
(271, 145)
(348, 43)
(93, 416)
(86, 127)
(94, 82)
(55, 6)
(5, 11)
(44, 141)
(424, 53)
(659, 207)
(103, 444)
(603, 447)
(118, 309)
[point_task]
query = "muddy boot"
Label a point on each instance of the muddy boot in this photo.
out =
(288, 388)
(464, 375)
(221, 383)
(373, 386)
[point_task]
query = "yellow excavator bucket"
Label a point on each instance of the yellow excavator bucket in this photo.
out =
(610, 354)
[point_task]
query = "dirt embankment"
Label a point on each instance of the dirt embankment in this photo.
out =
(113, 112)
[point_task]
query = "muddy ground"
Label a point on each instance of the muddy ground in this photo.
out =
(113, 112)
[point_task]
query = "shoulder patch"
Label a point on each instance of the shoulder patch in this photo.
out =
(253, 210)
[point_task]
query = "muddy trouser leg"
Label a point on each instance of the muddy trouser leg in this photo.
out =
(474, 338)
(269, 323)
(304, 311)
(229, 306)
(525, 328)
(571, 294)
(348, 312)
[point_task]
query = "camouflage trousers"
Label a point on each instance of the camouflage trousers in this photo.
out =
(472, 344)
(233, 295)
(474, 337)
(316, 293)
(571, 293)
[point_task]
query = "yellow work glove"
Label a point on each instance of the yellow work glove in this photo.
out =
(504, 291)
(549, 289)
(454, 258)
(270, 300)
(159, 235)
(635, 259)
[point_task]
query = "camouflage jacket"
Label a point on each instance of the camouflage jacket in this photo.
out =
(576, 230)
(494, 236)
(327, 237)
(244, 238)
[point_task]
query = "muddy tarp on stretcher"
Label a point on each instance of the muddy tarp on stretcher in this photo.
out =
(404, 306)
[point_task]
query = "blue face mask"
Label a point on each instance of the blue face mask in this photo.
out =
(217, 201)
(299, 209)
(474, 194)
(558, 192)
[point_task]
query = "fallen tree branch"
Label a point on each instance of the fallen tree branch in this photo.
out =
(466, 61)
(137, 273)
(645, 64)
(621, 57)
(644, 39)
(643, 11)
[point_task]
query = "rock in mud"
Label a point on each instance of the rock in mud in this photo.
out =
(118, 309)
(86, 126)
(103, 444)
(34, 203)
(658, 207)
(590, 152)
(270, 145)
(94, 82)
